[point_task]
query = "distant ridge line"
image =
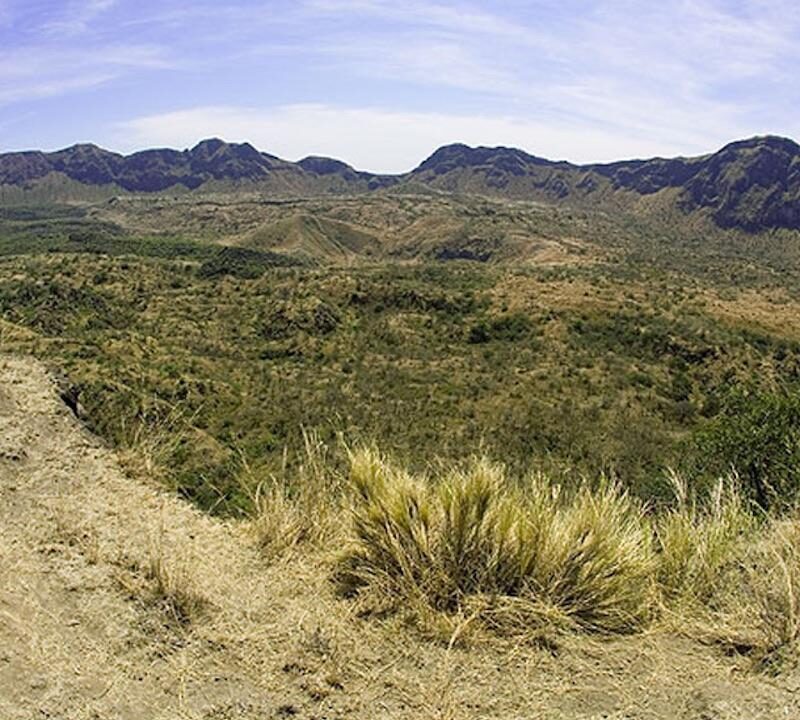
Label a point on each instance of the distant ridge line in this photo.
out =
(751, 184)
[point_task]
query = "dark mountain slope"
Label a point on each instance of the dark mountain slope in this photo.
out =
(498, 171)
(327, 167)
(751, 184)
(161, 169)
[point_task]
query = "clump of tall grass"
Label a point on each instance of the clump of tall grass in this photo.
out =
(728, 573)
(467, 540)
(166, 578)
(149, 443)
(171, 583)
(294, 506)
(700, 540)
(757, 607)
(773, 592)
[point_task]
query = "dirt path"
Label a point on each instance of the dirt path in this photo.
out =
(117, 601)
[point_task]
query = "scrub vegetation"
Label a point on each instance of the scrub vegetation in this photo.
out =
(601, 440)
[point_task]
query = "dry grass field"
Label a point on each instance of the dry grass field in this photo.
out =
(120, 601)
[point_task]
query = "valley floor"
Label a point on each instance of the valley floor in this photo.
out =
(120, 601)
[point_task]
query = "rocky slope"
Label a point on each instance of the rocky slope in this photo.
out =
(752, 185)
(157, 170)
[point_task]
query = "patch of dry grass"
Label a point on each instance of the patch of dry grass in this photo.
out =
(756, 609)
(463, 541)
(699, 540)
(292, 508)
(467, 549)
(171, 582)
(165, 573)
(148, 445)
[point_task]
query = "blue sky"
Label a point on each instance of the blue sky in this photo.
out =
(382, 83)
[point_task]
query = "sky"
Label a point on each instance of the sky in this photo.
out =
(381, 84)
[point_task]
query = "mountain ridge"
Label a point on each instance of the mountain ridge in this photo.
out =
(751, 184)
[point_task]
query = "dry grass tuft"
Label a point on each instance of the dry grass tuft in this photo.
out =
(166, 577)
(729, 576)
(148, 445)
(590, 554)
(757, 608)
(172, 585)
(700, 540)
(465, 544)
(290, 509)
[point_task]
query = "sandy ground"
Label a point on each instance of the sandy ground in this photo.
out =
(87, 631)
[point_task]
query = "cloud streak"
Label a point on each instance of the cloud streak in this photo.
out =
(637, 78)
(39, 72)
(370, 138)
(78, 17)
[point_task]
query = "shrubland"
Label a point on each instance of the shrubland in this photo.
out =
(605, 446)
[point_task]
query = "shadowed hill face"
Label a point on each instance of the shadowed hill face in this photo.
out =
(649, 176)
(88, 163)
(500, 171)
(452, 157)
(146, 171)
(326, 166)
(751, 185)
(21, 168)
(329, 167)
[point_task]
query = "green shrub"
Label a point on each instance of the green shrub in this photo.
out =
(242, 263)
(509, 328)
(757, 434)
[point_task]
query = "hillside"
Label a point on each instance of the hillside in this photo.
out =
(750, 185)
(209, 163)
(227, 560)
(163, 612)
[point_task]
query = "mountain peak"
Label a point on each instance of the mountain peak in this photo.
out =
(83, 147)
(499, 159)
(209, 146)
(324, 165)
(751, 184)
(771, 142)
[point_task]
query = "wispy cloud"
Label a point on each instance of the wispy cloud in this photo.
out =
(38, 71)
(44, 88)
(374, 139)
(459, 18)
(682, 71)
(78, 16)
(679, 76)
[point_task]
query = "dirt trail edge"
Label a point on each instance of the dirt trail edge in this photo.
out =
(120, 601)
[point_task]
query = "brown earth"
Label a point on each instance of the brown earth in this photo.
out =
(119, 601)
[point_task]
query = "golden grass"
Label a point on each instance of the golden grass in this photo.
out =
(148, 445)
(700, 539)
(274, 639)
(167, 578)
(288, 509)
(756, 608)
(172, 587)
(468, 548)
(465, 541)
